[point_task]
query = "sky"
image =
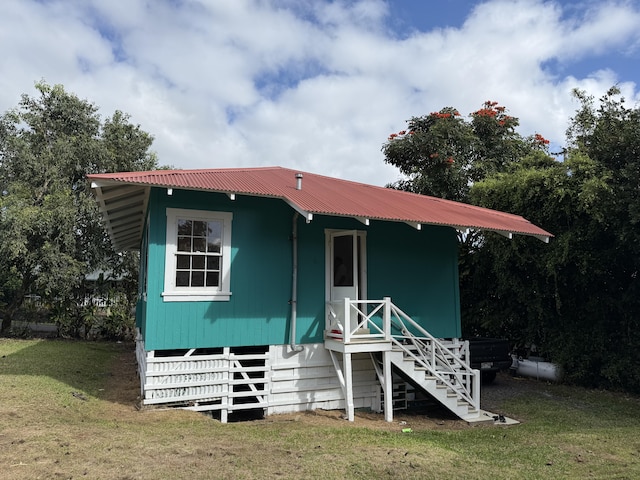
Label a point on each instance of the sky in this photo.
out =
(316, 85)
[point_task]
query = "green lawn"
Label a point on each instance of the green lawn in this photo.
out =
(68, 410)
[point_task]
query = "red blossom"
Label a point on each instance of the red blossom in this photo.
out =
(443, 115)
(486, 112)
(540, 139)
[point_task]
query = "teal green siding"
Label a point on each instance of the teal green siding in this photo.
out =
(258, 311)
(418, 269)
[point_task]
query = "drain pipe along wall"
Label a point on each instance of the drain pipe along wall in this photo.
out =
(294, 285)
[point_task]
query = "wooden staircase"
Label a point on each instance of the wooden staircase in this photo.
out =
(395, 341)
(449, 394)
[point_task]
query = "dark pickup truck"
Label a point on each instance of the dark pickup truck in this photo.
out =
(489, 355)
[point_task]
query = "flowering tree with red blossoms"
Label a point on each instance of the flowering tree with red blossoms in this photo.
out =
(442, 154)
(577, 299)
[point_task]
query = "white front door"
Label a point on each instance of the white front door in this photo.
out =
(346, 267)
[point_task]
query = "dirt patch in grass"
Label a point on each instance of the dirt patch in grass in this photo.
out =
(123, 385)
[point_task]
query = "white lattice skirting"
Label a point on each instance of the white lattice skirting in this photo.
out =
(273, 378)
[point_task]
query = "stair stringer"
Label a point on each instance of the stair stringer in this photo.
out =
(421, 378)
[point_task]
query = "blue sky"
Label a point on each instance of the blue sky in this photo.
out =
(311, 84)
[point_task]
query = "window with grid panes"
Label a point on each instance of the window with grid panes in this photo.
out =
(198, 255)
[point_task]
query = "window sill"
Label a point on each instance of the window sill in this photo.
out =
(195, 296)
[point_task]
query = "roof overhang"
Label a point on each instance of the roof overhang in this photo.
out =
(123, 199)
(123, 207)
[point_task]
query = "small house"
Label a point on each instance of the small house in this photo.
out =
(279, 290)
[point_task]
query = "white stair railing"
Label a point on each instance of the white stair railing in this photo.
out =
(350, 320)
(447, 366)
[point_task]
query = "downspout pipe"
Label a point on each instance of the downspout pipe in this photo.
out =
(294, 285)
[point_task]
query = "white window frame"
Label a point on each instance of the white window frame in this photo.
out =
(172, 293)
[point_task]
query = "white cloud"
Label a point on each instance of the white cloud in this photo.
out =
(609, 25)
(309, 85)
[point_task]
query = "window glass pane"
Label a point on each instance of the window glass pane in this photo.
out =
(213, 263)
(182, 279)
(184, 227)
(183, 262)
(214, 236)
(213, 247)
(343, 261)
(197, 279)
(199, 244)
(214, 229)
(184, 244)
(199, 229)
(197, 262)
(213, 279)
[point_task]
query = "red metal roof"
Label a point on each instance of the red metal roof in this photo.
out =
(319, 195)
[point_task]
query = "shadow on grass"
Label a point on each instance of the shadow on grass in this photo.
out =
(103, 370)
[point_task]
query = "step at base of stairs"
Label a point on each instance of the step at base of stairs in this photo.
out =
(484, 417)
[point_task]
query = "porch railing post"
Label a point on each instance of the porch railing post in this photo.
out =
(386, 319)
(387, 387)
(347, 320)
(475, 395)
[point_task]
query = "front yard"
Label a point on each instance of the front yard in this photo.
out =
(70, 410)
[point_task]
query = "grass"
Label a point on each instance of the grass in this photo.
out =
(68, 410)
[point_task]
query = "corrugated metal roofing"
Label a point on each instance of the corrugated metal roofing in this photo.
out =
(319, 195)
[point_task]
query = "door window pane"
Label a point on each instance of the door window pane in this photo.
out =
(343, 261)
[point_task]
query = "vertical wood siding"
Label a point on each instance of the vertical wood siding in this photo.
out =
(418, 269)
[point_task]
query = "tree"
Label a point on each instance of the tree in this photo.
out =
(51, 233)
(576, 300)
(442, 155)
